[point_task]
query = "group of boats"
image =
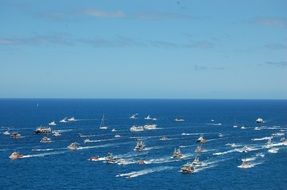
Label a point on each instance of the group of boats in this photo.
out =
(135, 128)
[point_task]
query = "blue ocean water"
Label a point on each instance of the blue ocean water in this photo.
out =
(52, 166)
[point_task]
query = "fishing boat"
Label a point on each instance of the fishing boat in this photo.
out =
(150, 127)
(43, 130)
(102, 125)
(117, 136)
(201, 140)
(187, 168)
(177, 154)
(139, 146)
(45, 140)
(259, 120)
(110, 159)
(73, 146)
(15, 155)
(15, 135)
(52, 123)
(196, 161)
(135, 128)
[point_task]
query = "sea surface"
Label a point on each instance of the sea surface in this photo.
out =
(227, 125)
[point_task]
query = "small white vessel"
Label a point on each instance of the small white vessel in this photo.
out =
(187, 168)
(52, 123)
(201, 140)
(148, 117)
(56, 134)
(15, 155)
(72, 119)
(15, 135)
(110, 159)
(134, 116)
(87, 141)
(117, 136)
(114, 130)
(243, 127)
(94, 158)
(64, 120)
(139, 146)
(259, 120)
(245, 164)
(73, 146)
(43, 130)
(150, 127)
(179, 120)
(273, 150)
(135, 128)
(45, 140)
(177, 154)
(102, 125)
(198, 149)
(6, 133)
(163, 138)
(196, 162)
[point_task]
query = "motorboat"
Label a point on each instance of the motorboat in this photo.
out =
(148, 117)
(220, 135)
(73, 146)
(196, 162)
(94, 158)
(56, 133)
(114, 130)
(187, 168)
(178, 119)
(198, 149)
(6, 133)
(135, 128)
(45, 140)
(52, 123)
(139, 146)
(134, 116)
(141, 162)
(72, 119)
(87, 141)
(43, 130)
(15, 155)
(259, 120)
(117, 136)
(201, 140)
(150, 127)
(177, 153)
(245, 164)
(15, 135)
(163, 138)
(102, 125)
(110, 159)
(64, 120)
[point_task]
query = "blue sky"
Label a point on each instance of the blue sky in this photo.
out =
(143, 49)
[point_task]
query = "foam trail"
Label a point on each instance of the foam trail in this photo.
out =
(43, 154)
(144, 172)
(40, 150)
(261, 139)
(223, 153)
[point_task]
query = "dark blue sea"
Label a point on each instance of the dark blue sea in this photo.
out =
(227, 125)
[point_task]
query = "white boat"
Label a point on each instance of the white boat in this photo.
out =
(273, 150)
(45, 140)
(43, 130)
(245, 164)
(163, 138)
(117, 136)
(220, 135)
(73, 146)
(15, 135)
(15, 155)
(110, 159)
(148, 117)
(235, 126)
(243, 127)
(177, 153)
(64, 120)
(102, 125)
(259, 120)
(87, 141)
(150, 127)
(187, 168)
(139, 146)
(114, 130)
(6, 133)
(72, 119)
(52, 123)
(134, 116)
(56, 134)
(178, 119)
(94, 158)
(135, 128)
(198, 149)
(201, 140)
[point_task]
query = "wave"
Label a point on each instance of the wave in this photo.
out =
(144, 172)
(261, 139)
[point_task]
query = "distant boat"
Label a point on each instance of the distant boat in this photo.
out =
(163, 138)
(72, 119)
(259, 120)
(15, 155)
(73, 146)
(52, 123)
(45, 140)
(139, 146)
(56, 133)
(94, 158)
(150, 127)
(110, 159)
(117, 136)
(148, 117)
(114, 130)
(187, 168)
(6, 133)
(43, 130)
(64, 120)
(178, 119)
(177, 154)
(134, 116)
(201, 140)
(102, 125)
(135, 128)
(245, 164)
(15, 135)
